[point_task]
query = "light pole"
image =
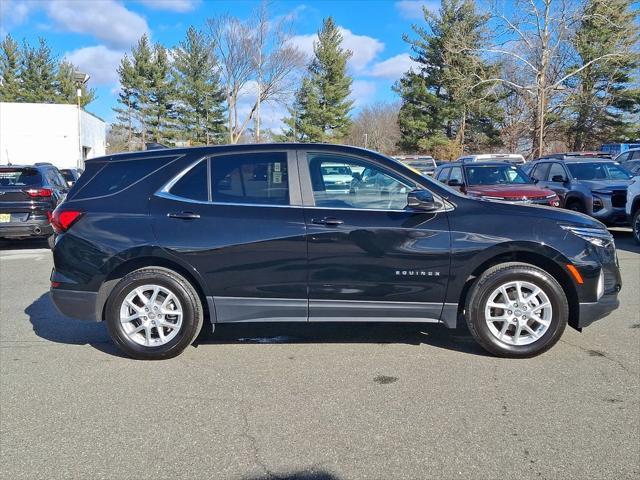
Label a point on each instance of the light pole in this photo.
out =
(80, 79)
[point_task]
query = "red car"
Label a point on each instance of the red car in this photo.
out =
(495, 181)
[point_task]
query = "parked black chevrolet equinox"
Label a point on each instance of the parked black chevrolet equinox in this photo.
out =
(158, 242)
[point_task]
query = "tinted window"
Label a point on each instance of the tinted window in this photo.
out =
(456, 174)
(369, 187)
(556, 170)
(539, 172)
(598, 171)
(115, 176)
(254, 178)
(495, 175)
(19, 177)
(442, 176)
(635, 155)
(193, 185)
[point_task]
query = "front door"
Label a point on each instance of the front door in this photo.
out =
(370, 257)
(237, 219)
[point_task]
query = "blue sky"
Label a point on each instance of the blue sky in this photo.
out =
(94, 34)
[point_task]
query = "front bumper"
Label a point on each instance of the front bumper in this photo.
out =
(590, 312)
(608, 214)
(75, 304)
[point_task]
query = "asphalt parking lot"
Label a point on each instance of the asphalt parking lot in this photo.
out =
(311, 401)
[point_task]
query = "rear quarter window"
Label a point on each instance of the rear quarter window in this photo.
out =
(114, 176)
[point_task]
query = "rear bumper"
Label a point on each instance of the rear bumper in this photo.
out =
(26, 229)
(590, 312)
(75, 303)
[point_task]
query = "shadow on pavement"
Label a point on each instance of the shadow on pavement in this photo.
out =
(24, 244)
(49, 324)
(321, 475)
(624, 240)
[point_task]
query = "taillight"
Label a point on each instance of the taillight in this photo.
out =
(39, 192)
(61, 221)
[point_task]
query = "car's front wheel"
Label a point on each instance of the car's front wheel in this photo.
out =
(516, 310)
(153, 313)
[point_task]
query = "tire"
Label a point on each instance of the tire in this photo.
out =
(503, 343)
(165, 332)
(635, 225)
(575, 205)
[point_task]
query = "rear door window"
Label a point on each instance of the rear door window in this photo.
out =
(539, 172)
(251, 178)
(442, 176)
(193, 185)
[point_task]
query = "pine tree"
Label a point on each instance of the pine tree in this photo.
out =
(66, 88)
(443, 107)
(160, 113)
(38, 73)
(10, 86)
(322, 107)
(200, 97)
(126, 111)
(604, 100)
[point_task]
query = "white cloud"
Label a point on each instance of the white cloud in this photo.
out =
(364, 48)
(98, 61)
(393, 68)
(362, 92)
(108, 21)
(412, 9)
(179, 6)
(14, 12)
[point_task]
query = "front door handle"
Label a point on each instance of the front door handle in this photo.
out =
(184, 215)
(328, 221)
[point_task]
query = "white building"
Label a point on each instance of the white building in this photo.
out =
(45, 132)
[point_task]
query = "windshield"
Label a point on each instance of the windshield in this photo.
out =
(598, 171)
(495, 175)
(19, 177)
(336, 170)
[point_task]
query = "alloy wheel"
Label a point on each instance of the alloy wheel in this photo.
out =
(151, 315)
(518, 313)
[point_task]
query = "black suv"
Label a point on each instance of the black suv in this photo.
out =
(28, 196)
(157, 243)
(595, 186)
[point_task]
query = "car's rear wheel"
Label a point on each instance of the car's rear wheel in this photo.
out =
(635, 225)
(153, 313)
(516, 310)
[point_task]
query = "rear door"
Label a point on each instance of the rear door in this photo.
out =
(369, 255)
(238, 220)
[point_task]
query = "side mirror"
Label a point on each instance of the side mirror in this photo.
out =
(422, 200)
(558, 179)
(455, 183)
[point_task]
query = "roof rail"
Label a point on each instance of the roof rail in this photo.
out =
(37, 164)
(154, 146)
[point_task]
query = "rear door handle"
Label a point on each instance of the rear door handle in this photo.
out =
(328, 221)
(184, 215)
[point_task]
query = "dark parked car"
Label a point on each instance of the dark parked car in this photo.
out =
(595, 186)
(71, 175)
(158, 243)
(28, 196)
(495, 181)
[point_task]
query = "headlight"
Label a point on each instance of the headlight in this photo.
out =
(553, 195)
(596, 236)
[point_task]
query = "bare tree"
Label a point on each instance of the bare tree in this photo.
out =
(536, 36)
(254, 55)
(376, 127)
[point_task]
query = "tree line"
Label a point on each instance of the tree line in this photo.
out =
(32, 73)
(542, 75)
